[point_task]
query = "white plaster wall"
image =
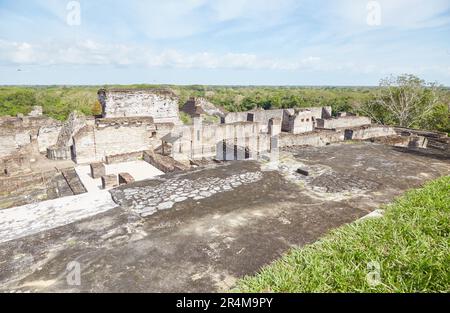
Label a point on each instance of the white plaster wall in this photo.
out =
(302, 123)
(118, 140)
(84, 146)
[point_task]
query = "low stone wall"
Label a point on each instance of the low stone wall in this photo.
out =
(9, 184)
(124, 157)
(367, 132)
(402, 141)
(14, 165)
(164, 163)
(315, 138)
(58, 153)
(435, 140)
(343, 122)
(439, 143)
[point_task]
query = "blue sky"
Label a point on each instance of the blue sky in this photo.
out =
(233, 42)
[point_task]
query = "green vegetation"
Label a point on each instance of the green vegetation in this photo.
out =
(185, 118)
(409, 101)
(410, 243)
(59, 101)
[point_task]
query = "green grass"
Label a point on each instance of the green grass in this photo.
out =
(410, 243)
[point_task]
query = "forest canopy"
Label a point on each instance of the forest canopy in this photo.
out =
(59, 101)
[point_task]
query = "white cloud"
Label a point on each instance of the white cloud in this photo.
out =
(89, 52)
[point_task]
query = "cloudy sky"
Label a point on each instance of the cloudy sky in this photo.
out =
(237, 42)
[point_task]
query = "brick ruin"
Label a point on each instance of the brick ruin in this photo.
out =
(161, 105)
(145, 125)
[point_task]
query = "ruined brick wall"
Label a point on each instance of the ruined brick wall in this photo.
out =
(109, 137)
(162, 105)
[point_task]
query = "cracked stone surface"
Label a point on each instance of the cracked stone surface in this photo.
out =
(147, 200)
(205, 245)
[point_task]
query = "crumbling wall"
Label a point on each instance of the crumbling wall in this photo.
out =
(162, 105)
(48, 136)
(61, 150)
(19, 132)
(73, 124)
(197, 105)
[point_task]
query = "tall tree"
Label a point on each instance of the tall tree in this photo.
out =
(406, 101)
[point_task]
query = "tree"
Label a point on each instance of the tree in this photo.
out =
(406, 101)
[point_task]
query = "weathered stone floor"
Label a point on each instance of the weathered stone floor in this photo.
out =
(206, 244)
(147, 200)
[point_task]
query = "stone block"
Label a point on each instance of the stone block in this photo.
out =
(97, 170)
(109, 181)
(302, 172)
(125, 178)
